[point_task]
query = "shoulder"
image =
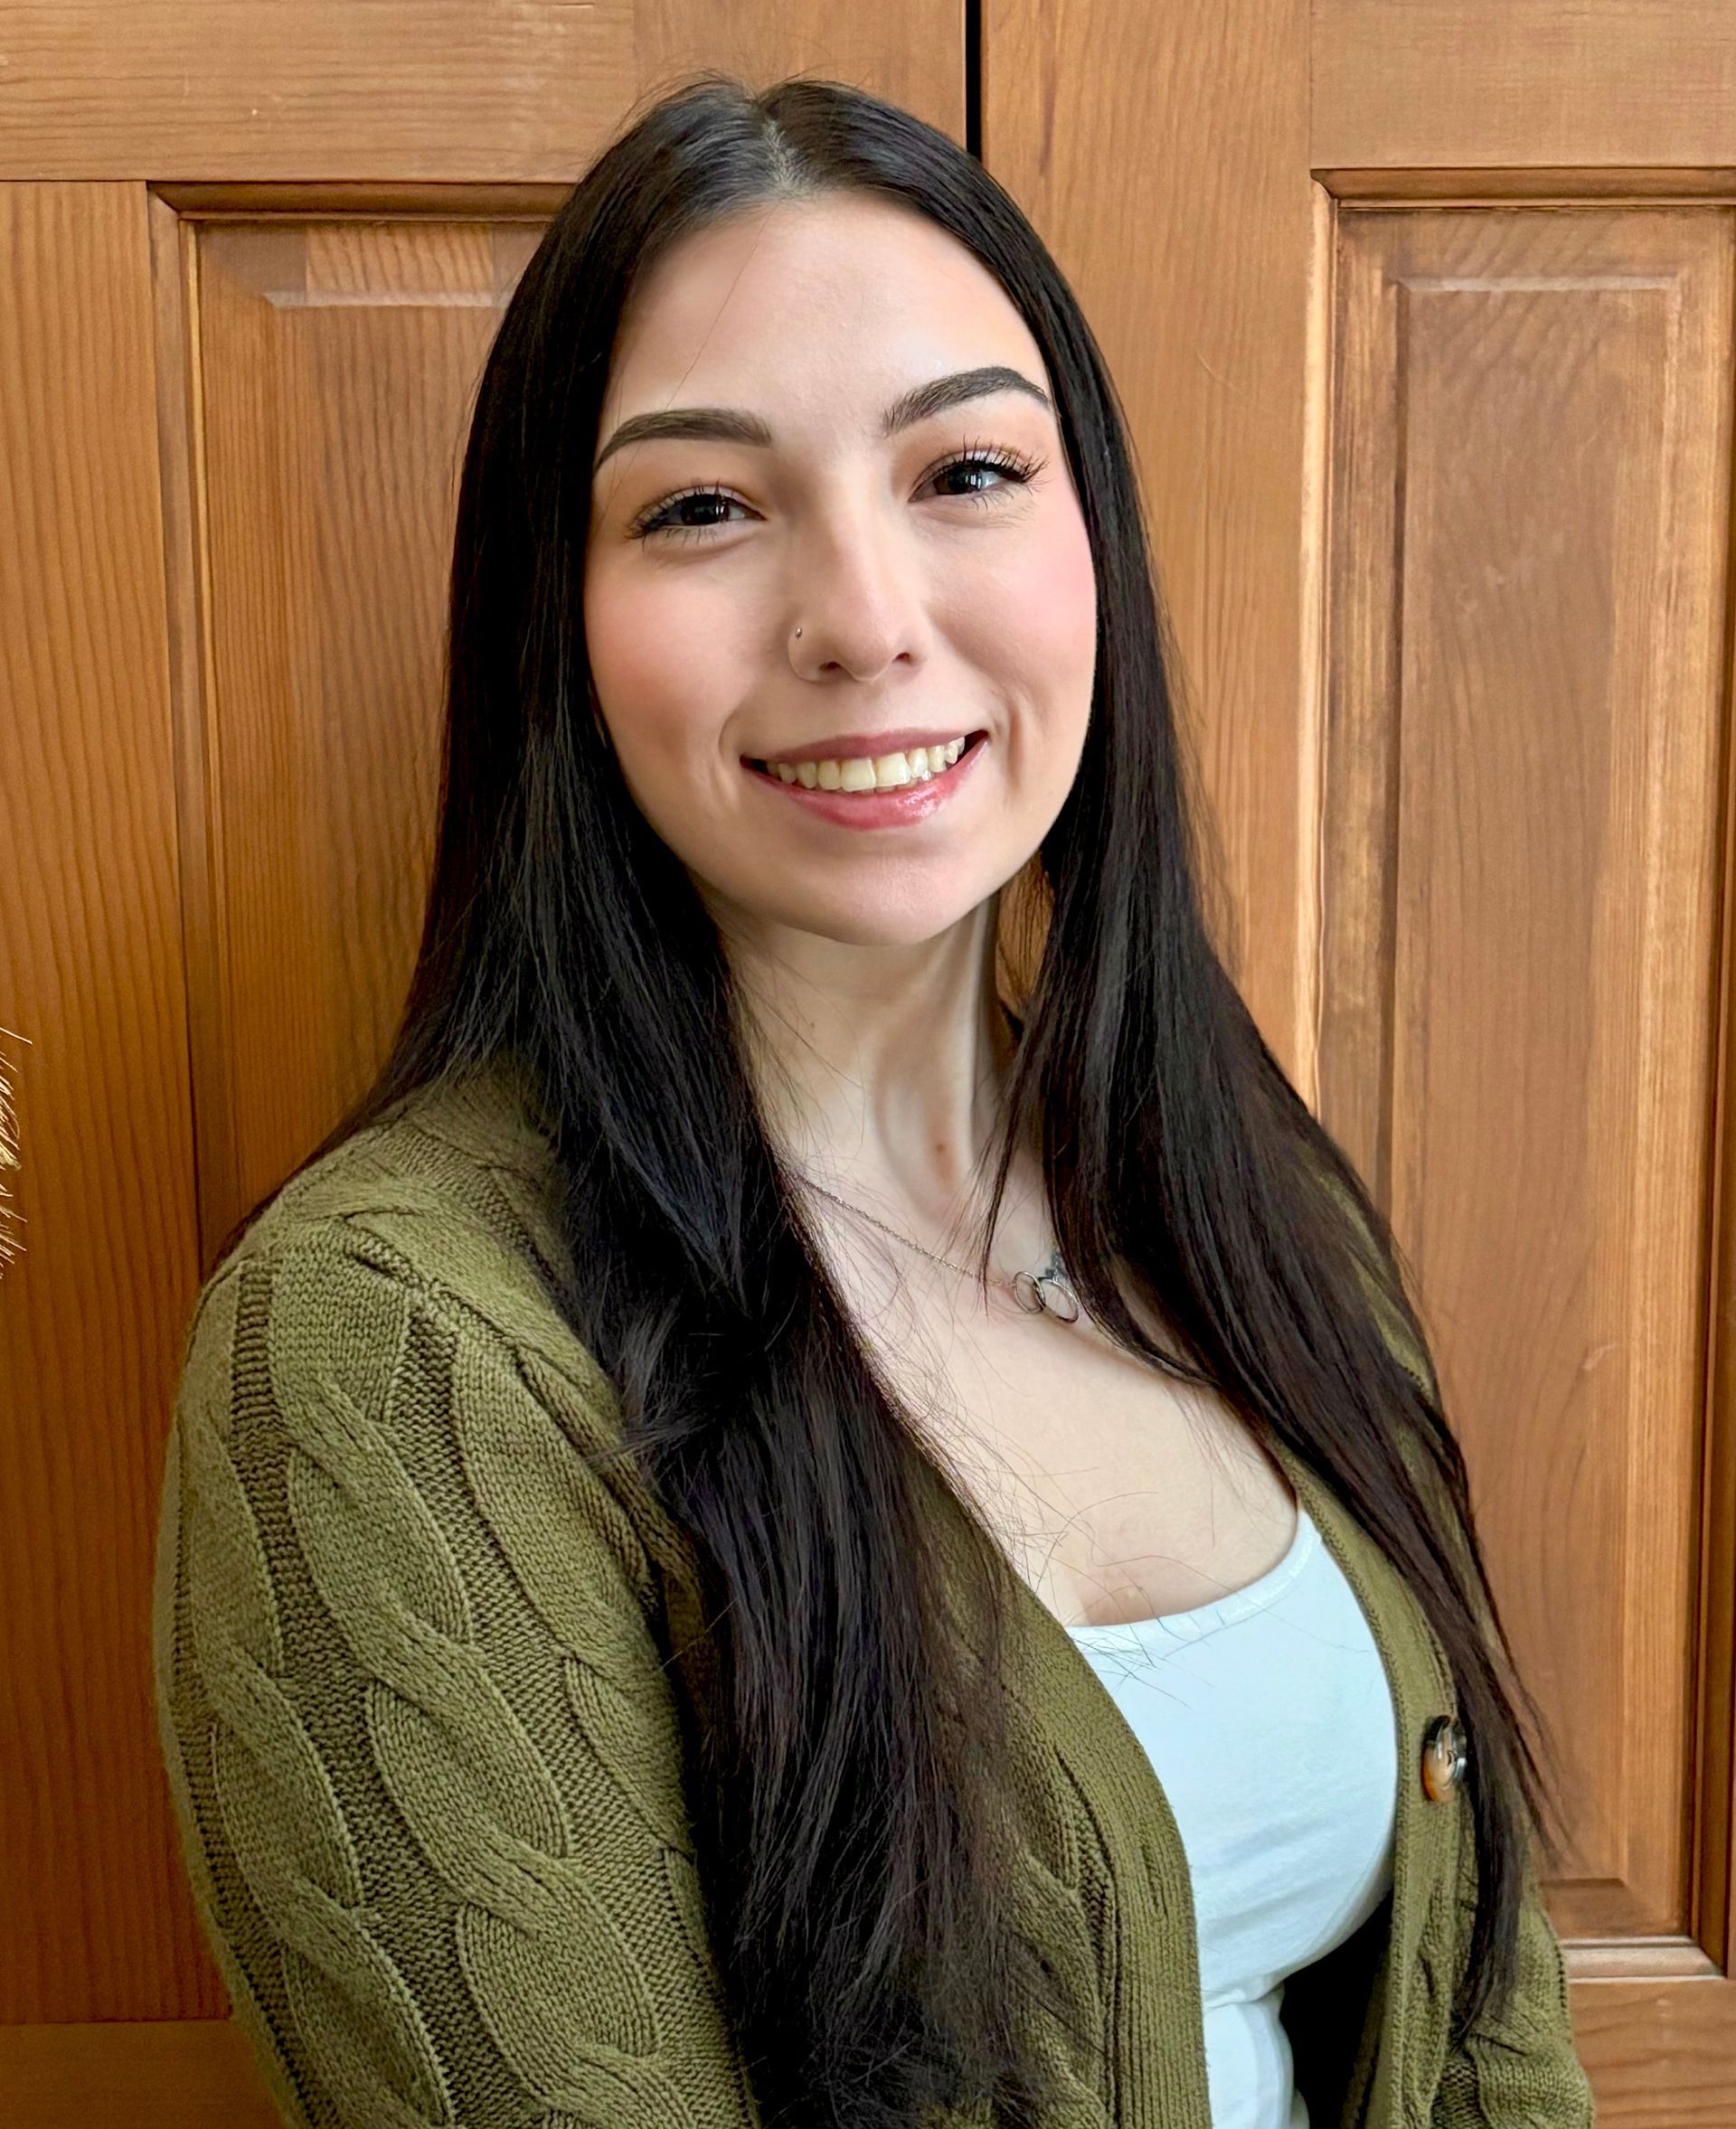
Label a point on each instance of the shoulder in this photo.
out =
(450, 1196)
(454, 1160)
(390, 1312)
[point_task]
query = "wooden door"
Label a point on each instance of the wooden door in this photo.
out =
(1422, 312)
(252, 258)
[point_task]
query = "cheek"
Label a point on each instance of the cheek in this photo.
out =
(1034, 615)
(644, 633)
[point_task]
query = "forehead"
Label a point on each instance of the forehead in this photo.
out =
(828, 307)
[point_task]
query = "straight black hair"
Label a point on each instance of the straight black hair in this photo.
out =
(853, 1848)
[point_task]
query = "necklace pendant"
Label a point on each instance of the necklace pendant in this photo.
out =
(1057, 1298)
(1047, 1291)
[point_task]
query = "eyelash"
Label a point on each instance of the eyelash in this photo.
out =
(1017, 468)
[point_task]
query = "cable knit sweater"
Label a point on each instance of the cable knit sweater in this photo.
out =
(425, 1754)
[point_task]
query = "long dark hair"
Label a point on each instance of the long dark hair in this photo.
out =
(852, 1846)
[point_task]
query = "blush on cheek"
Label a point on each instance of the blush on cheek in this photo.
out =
(1040, 603)
(628, 648)
(661, 671)
(634, 678)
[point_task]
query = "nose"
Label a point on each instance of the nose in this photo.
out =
(855, 598)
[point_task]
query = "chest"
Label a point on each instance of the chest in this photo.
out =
(1118, 1492)
(1186, 1950)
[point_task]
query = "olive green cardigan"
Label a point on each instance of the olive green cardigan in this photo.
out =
(426, 1759)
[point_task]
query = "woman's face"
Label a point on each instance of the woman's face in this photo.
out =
(939, 571)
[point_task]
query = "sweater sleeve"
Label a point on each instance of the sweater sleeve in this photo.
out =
(424, 1754)
(1521, 2070)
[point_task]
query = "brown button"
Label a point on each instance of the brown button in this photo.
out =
(1446, 1754)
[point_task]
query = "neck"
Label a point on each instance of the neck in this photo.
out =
(881, 1070)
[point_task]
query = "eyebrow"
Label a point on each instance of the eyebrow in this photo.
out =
(732, 425)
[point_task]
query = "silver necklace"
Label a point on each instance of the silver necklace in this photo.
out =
(1046, 1291)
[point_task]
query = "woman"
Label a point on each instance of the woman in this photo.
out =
(827, 1507)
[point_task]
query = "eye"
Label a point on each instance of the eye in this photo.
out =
(655, 520)
(1011, 466)
(660, 520)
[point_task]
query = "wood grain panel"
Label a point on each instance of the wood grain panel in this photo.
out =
(231, 431)
(1193, 267)
(337, 364)
(1659, 2052)
(1430, 83)
(92, 1308)
(161, 2073)
(1524, 833)
(405, 89)
(1495, 948)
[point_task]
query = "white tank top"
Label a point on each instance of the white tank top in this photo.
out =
(1269, 1719)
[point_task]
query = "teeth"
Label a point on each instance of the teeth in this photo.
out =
(885, 772)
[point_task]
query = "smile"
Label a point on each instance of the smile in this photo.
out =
(890, 791)
(883, 772)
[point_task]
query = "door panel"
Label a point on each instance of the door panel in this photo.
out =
(254, 260)
(415, 91)
(1423, 316)
(1531, 444)
(92, 979)
(338, 361)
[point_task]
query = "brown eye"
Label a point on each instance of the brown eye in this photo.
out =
(670, 516)
(1009, 465)
(658, 518)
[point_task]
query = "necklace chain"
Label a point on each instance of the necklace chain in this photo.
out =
(1046, 1291)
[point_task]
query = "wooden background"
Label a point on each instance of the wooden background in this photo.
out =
(1421, 310)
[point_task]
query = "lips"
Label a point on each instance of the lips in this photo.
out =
(899, 807)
